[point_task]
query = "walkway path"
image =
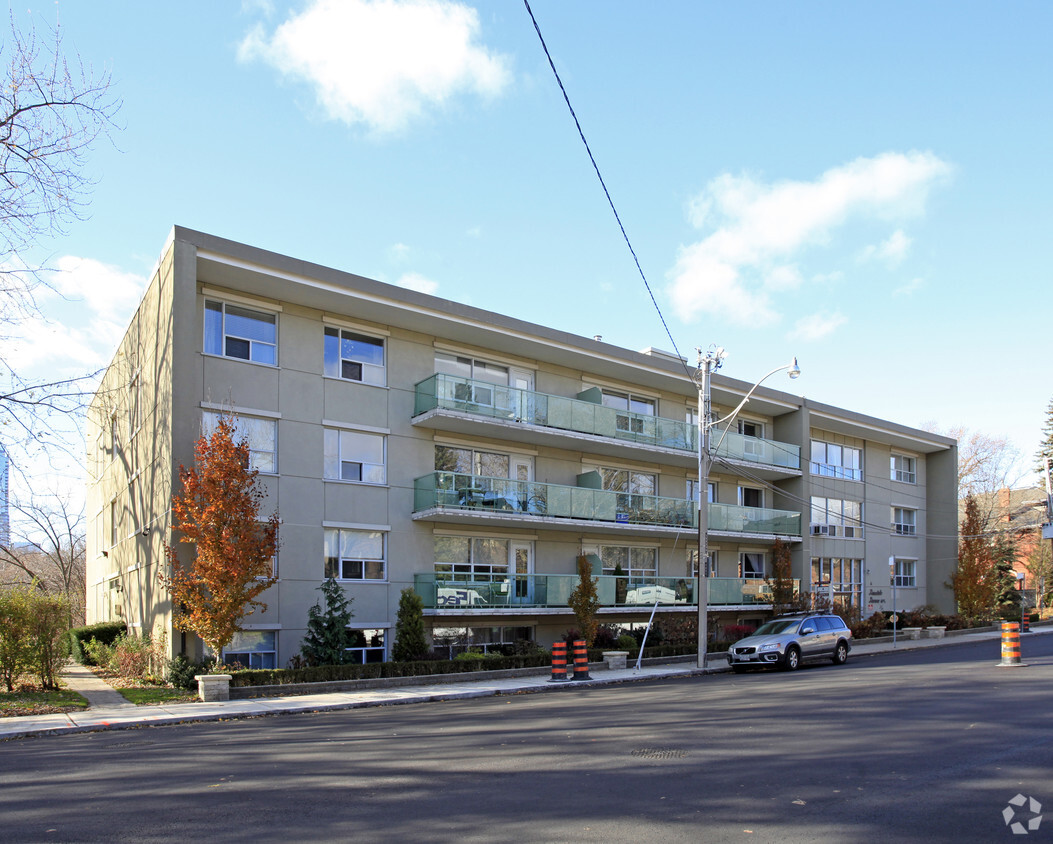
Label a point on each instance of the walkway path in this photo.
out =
(109, 710)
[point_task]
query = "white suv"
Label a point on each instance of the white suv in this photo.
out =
(786, 641)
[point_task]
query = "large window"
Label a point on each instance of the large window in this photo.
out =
(692, 490)
(835, 517)
(903, 469)
(837, 579)
(469, 461)
(354, 456)
(632, 404)
(252, 649)
(367, 645)
(751, 565)
(904, 573)
(636, 489)
(354, 356)
(493, 375)
(261, 436)
(751, 496)
(830, 460)
(904, 521)
(477, 558)
(636, 563)
(711, 562)
(355, 554)
(236, 332)
(450, 641)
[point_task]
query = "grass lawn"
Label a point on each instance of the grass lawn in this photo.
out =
(39, 703)
(145, 695)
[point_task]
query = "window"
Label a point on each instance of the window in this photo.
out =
(115, 437)
(636, 489)
(902, 469)
(751, 497)
(113, 523)
(366, 646)
(904, 573)
(904, 521)
(634, 405)
(355, 456)
(354, 554)
(133, 504)
(477, 558)
(468, 461)
(354, 356)
(711, 560)
(260, 435)
(837, 579)
(236, 332)
(834, 517)
(692, 490)
(100, 533)
(481, 378)
(252, 649)
(751, 565)
(451, 641)
(837, 461)
(636, 563)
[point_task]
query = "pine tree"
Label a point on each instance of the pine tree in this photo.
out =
(1004, 552)
(585, 601)
(410, 640)
(328, 638)
(1045, 449)
(974, 581)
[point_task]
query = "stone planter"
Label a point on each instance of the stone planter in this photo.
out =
(935, 632)
(211, 687)
(911, 632)
(615, 659)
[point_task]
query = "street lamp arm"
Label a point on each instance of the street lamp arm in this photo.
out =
(794, 369)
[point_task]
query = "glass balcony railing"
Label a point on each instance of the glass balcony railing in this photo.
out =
(533, 591)
(500, 401)
(457, 491)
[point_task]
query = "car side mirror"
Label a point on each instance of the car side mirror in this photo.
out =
(806, 630)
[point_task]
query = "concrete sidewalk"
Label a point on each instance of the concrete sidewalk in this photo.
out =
(110, 711)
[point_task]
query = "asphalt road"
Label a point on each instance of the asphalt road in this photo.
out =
(926, 746)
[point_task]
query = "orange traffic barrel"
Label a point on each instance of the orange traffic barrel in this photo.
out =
(581, 660)
(559, 662)
(1010, 643)
(1026, 624)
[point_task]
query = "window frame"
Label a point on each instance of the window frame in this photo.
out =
(210, 418)
(743, 555)
(334, 362)
(228, 651)
(334, 458)
(903, 573)
(248, 313)
(338, 572)
(905, 475)
(904, 528)
(825, 468)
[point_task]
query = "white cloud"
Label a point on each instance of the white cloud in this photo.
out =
(909, 288)
(382, 63)
(398, 252)
(474, 231)
(415, 281)
(733, 271)
(891, 251)
(817, 326)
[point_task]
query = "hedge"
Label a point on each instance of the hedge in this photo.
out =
(104, 631)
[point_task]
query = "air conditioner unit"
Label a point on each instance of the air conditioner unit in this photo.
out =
(820, 530)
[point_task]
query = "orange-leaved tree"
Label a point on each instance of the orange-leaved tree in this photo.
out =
(975, 580)
(218, 513)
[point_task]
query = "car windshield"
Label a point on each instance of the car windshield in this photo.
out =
(778, 625)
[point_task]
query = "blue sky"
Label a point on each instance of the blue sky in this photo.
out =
(864, 186)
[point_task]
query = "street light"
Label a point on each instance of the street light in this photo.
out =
(706, 366)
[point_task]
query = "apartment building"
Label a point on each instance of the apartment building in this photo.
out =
(411, 441)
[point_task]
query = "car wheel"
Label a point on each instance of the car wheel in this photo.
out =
(792, 660)
(840, 656)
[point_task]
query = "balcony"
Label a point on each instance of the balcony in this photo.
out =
(480, 408)
(501, 502)
(480, 594)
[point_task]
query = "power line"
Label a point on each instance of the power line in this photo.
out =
(603, 184)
